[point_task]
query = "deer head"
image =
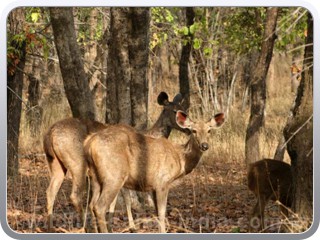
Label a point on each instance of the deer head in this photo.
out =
(166, 120)
(200, 130)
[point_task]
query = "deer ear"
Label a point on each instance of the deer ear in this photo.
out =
(217, 120)
(163, 98)
(183, 120)
(177, 99)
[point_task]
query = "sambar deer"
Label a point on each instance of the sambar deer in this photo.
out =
(269, 179)
(63, 146)
(118, 156)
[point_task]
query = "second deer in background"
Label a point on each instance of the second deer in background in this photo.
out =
(269, 179)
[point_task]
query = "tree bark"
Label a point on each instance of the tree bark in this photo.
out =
(119, 74)
(34, 112)
(298, 132)
(258, 87)
(184, 61)
(139, 56)
(14, 90)
(127, 88)
(72, 68)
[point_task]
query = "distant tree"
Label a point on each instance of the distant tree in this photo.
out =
(92, 24)
(127, 88)
(184, 59)
(298, 133)
(16, 54)
(34, 113)
(258, 86)
(71, 65)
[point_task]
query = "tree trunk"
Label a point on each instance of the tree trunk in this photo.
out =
(72, 68)
(258, 87)
(96, 61)
(119, 74)
(139, 56)
(14, 90)
(298, 132)
(34, 112)
(127, 67)
(184, 61)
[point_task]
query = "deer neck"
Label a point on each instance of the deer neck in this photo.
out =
(192, 154)
(160, 128)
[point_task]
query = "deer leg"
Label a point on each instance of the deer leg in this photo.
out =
(100, 209)
(78, 186)
(162, 196)
(154, 196)
(111, 213)
(95, 193)
(57, 172)
(127, 200)
(258, 213)
(285, 204)
(150, 200)
(110, 190)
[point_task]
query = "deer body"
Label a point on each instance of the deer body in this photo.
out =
(121, 157)
(132, 161)
(63, 146)
(269, 179)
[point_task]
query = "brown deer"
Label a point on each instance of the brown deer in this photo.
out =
(120, 157)
(269, 179)
(63, 146)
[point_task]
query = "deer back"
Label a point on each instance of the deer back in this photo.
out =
(272, 179)
(67, 135)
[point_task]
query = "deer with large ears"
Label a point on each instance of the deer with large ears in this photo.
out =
(118, 156)
(63, 146)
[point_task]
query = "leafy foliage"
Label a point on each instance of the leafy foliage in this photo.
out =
(292, 28)
(84, 28)
(242, 30)
(34, 36)
(238, 29)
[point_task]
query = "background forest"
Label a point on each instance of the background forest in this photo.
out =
(110, 64)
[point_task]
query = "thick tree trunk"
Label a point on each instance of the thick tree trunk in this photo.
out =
(127, 91)
(72, 68)
(298, 132)
(14, 91)
(258, 87)
(139, 56)
(184, 61)
(119, 74)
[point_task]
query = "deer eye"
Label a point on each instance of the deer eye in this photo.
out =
(194, 131)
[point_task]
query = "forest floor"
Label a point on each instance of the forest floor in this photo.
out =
(212, 199)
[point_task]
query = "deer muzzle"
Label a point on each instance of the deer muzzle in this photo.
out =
(204, 146)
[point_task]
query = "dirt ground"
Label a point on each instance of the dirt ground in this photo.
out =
(212, 199)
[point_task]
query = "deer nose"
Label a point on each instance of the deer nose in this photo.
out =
(204, 146)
